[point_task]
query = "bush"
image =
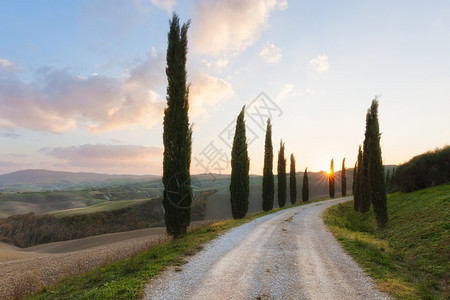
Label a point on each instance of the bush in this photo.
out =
(425, 170)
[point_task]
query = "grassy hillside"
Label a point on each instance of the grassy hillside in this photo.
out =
(102, 206)
(54, 201)
(43, 202)
(410, 259)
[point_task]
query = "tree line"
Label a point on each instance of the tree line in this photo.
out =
(422, 171)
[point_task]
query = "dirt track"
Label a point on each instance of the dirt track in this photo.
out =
(285, 255)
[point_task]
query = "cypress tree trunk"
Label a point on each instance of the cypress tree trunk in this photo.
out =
(268, 180)
(177, 136)
(343, 180)
(305, 188)
(292, 181)
(240, 163)
(281, 176)
(331, 180)
(376, 170)
(364, 204)
(388, 181)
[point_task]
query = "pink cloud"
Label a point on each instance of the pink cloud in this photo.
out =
(108, 158)
(231, 26)
(58, 100)
(206, 92)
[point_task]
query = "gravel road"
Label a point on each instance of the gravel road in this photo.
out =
(286, 255)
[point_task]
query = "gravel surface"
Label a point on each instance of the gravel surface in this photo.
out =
(286, 255)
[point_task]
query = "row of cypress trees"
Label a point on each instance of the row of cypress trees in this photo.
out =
(177, 140)
(240, 162)
(370, 184)
(268, 185)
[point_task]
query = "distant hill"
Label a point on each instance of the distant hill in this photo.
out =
(42, 191)
(44, 180)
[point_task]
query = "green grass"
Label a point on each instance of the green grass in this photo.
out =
(410, 258)
(4, 215)
(126, 279)
(102, 206)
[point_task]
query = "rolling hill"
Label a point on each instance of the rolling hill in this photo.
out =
(35, 180)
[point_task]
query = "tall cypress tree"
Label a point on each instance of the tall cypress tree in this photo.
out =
(343, 180)
(281, 176)
(354, 179)
(363, 169)
(177, 136)
(358, 181)
(268, 180)
(292, 181)
(240, 164)
(331, 180)
(376, 177)
(305, 188)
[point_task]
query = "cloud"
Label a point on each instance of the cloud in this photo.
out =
(282, 5)
(11, 135)
(58, 100)
(7, 66)
(270, 53)
(207, 91)
(7, 166)
(230, 26)
(320, 63)
(287, 89)
(111, 158)
(164, 4)
(216, 65)
(4, 63)
(18, 155)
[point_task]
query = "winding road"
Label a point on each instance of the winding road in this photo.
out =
(285, 255)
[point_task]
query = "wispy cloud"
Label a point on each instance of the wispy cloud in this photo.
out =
(18, 155)
(6, 65)
(11, 135)
(7, 166)
(112, 158)
(270, 53)
(207, 91)
(282, 4)
(287, 89)
(320, 63)
(58, 100)
(216, 65)
(230, 26)
(167, 5)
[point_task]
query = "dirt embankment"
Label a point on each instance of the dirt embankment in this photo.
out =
(26, 270)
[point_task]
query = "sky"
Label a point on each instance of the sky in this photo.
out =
(83, 86)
